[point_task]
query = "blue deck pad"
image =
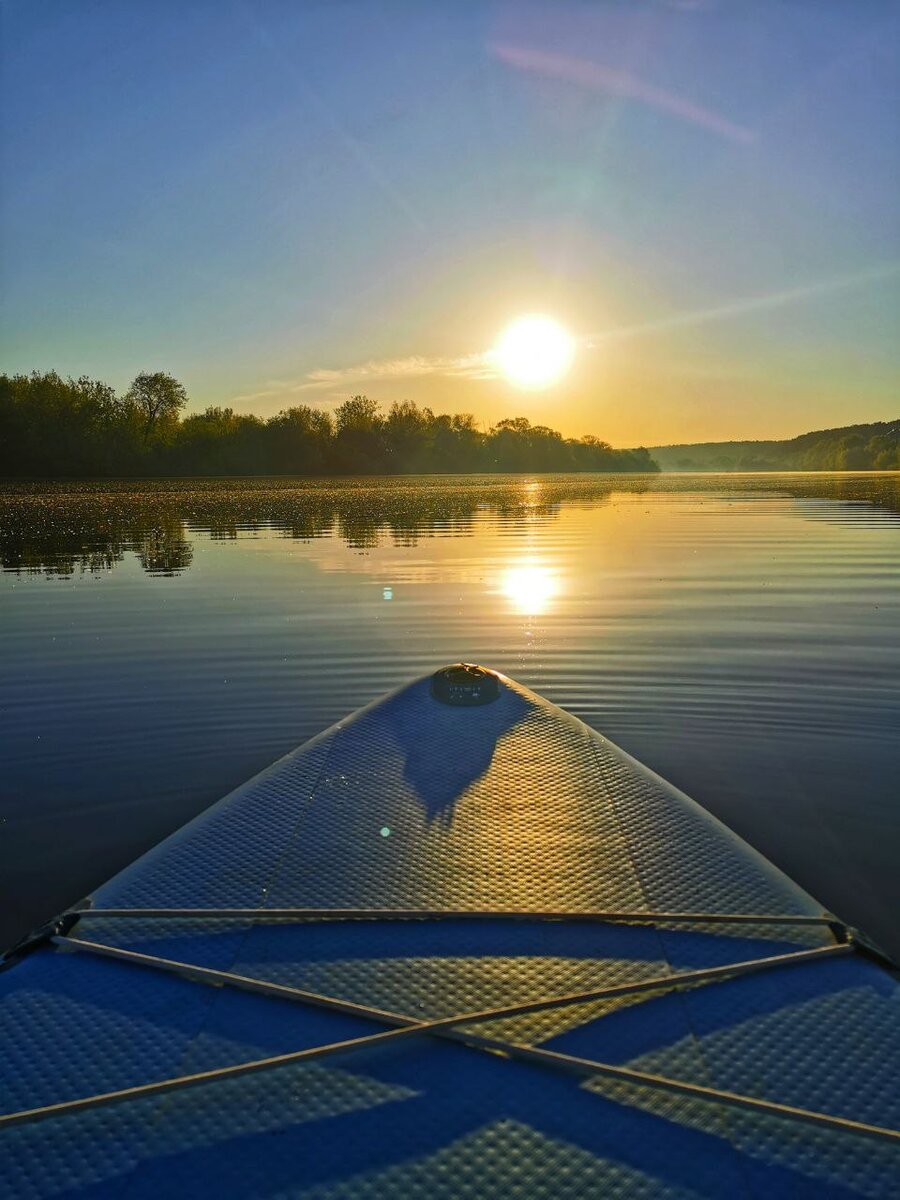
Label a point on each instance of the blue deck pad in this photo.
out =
(435, 1120)
(229, 855)
(414, 804)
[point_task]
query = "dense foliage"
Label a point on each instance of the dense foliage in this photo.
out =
(51, 426)
(872, 447)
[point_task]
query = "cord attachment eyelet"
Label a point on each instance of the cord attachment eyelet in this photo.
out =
(465, 685)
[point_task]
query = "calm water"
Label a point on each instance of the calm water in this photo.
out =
(160, 642)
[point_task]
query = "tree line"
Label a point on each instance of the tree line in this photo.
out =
(874, 447)
(80, 428)
(870, 447)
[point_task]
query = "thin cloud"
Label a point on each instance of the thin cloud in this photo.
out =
(597, 78)
(749, 304)
(470, 366)
(416, 366)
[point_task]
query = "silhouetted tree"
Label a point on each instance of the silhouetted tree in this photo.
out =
(220, 441)
(50, 425)
(359, 444)
(159, 398)
(299, 440)
(457, 443)
(54, 426)
(408, 437)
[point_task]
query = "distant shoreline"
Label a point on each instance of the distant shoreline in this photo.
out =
(871, 447)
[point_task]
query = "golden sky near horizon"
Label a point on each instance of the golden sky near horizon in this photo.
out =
(683, 375)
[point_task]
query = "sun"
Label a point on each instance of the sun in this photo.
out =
(533, 351)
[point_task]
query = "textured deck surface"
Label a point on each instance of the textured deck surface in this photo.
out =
(412, 804)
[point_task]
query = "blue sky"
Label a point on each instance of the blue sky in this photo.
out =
(289, 202)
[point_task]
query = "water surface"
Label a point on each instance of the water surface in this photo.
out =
(162, 640)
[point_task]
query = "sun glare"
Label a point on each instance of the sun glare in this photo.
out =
(534, 351)
(531, 587)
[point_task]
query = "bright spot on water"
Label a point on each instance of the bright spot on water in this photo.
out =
(530, 586)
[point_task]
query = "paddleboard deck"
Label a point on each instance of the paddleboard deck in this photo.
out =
(419, 862)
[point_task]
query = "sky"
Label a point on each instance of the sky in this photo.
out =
(288, 203)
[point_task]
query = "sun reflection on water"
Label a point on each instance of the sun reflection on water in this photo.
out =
(531, 586)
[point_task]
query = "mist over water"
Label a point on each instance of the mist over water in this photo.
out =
(161, 641)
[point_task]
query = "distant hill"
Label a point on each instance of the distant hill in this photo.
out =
(873, 447)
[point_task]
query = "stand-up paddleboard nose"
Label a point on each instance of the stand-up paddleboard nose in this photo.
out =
(464, 685)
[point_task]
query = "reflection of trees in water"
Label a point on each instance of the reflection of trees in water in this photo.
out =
(165, 549)
(75, 547)
(61, 529)
(38, 555)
